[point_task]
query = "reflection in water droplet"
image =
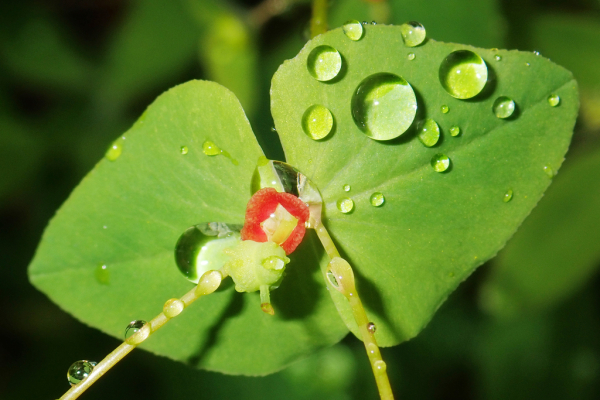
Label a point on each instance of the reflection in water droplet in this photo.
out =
(498, 57)
(200, 248)
(324, 63)
(102, 274)
(440, 162)
(80, 370)
(115, 149)
(384, 106)
(347, 188)
(173, 307)
(411, 56)
(331, 278)
(553, 100)
(508, 196)
(133, 327)
(377, 199)
(211, 149)
(455, 130)
(503, 107)
(371, 327)
(463, 74)
(317, 122)
(353, 29)
(413, 33)
(345, 205)
(445, 109)
(549, 171)
(428, 132)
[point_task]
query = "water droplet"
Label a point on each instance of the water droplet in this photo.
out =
(183, 150)
(451, 274)
(463, 74)
(200, 248)
(80, 370)
(504, 107)
(345, 205)
(372, 348)
(134, 327)
(413, 33)
(347, 188)
(331, 279)
(507, 196)
(173, 307)
(371, 327)
(102, 274)
(527, 64)
(317, 122)
(115, 149)
(411, 56)
(553, 100)
(384, 106)
(537, 53)
(549, 171)
(377, 199)
(445, 109)
(324, 63)
(209, 282)
(274, 263)
(440, 162)
(273, 129)
(211, 149)
(498, 57)
(455, 130)
(353, 29)
(428, 132)
(380, 366)
(373, 23)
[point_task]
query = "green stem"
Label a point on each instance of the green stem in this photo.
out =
(318, 21)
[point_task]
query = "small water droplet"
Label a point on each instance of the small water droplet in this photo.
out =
(413, 33)
(211, 149)
(537, 53)
(371, 327)
(273, 129)
(463, 74)
(451, 274)
(377, 199)
(549, 171)
(527, 64)
(372, 348)
(507, 196)
(353, 30)
(115, 149)
(504, 107)
(274, 263)
(440, 162)
(455, 130)
(80, 370)
(553, 100)
(445, 109)
(134, 327)
(380, 366)
(428, 132)
(365, 23)
(411, 56)
(173, 307)
(345, 205)
(324, 63)
(373, 23)
(183, 150)
(317, 122)
(384, 106)
(331, 279)
(498, 57)
(200, 248)
(102, 274)
(347, 188)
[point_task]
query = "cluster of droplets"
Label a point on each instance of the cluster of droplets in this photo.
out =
(346, 204)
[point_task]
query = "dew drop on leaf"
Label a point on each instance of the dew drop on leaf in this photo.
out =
(345, 205)
(377, 199)
(347, 188)
(102, 274)
(324, 63)
(371, 327)
(211, 149)
(498, 57)
(79, 370)
(463, 74)
(504, 107)
(173, 307)
(384, 106)
(549, 171)
(440, 162)
(200, 248)
(317, 121)
(353, 29)
(331, 279)
(413, 33)
(508, 196)
(380, 366)
(428, 132)
(133, 327)
(445, 109)
(115, 149)
(553, 100)
(455, 130)
(183, 150)
(411, 56)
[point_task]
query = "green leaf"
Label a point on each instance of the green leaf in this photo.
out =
(128, 215)
(434, 228)
(556, 250)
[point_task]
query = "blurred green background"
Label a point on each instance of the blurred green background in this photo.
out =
(74, 74)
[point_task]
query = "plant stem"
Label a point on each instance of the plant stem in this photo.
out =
(342, 271)
(208, 283)
(318, 21)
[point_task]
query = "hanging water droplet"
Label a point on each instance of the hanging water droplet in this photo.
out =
(102, 274)
(507, 196)
(324, 63)
(380, 366)
(115, 149)
(455, 130)
(345, 205)
(80, 370)
(183, 150)
(353, 29)
(498, 57)
(463, 74)
(347, 188)
(200, 248)
(377, 199)
(211, 149)
(371, 327)
(428, 132)
(384, 106)
(440, 162)
(173, 307)
(134, 327)
(411, 56)
(445, 109)
(504, 107)
(413, 33)
(317, 122)
(553, 100)
(331, 278)
(549, 171)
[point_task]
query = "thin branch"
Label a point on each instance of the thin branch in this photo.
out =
(318, 21)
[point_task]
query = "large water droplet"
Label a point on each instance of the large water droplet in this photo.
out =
(353, 29)
(507, 196)
(504, 107)
(411, 56)
(440, 162)
(200, 248)
(345, 205)
(134, 327)
(445, 109)
(371, 327)
(463, 74)
(184, 150)
(553, 100)
(377, 199)
(455, 130)
(347, 188)
(80, 370)
(317, 122)
(324, 63)
(211, 149)
(115, 149)
(384, 106)
(102, 274)
(428, 132)
(413, 33)
(173, 307)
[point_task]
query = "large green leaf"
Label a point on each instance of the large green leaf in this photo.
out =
(128, 215)
(434, 228)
